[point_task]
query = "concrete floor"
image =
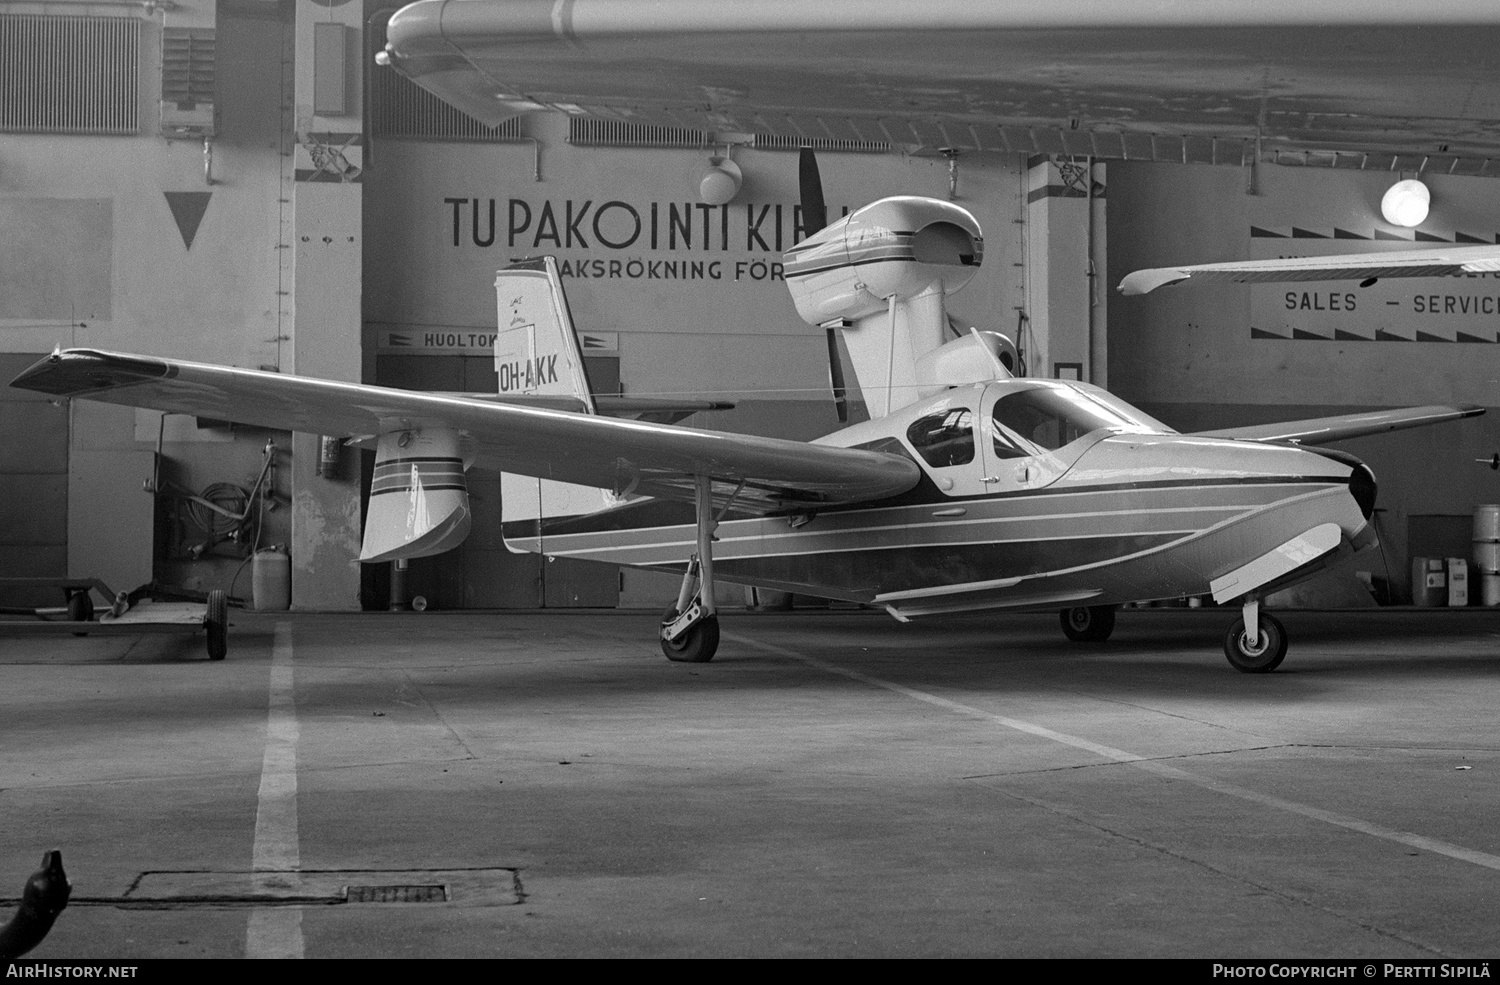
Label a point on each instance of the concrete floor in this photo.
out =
(833, 784)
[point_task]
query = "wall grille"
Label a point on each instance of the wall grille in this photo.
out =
(587, 131)
(62, 74)
(776, 141)
(403, 110)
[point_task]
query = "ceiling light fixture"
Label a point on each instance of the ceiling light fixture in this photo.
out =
(721, 180)
(1405, 203)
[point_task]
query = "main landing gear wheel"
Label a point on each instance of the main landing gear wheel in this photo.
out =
(697, 645)
(1088, 623)
(1267, 653)
(216, 622)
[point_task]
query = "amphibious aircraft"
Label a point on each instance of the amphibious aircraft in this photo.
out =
(968, 489)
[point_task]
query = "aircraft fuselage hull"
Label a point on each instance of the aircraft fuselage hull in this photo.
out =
(1143, 533)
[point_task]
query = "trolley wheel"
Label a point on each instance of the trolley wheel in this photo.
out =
(216, 622)
(80, 608)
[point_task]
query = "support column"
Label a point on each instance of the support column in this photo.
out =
(1066, 294)
(326, 291)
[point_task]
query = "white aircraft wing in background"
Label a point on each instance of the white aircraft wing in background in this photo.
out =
(1367, 267)
(625, 456)
(1437, 262)
(1321, 430)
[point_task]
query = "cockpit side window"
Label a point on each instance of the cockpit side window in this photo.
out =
(944, 439)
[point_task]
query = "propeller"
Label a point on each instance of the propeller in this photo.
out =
(814, 218)
(836, 377)
(810, 187)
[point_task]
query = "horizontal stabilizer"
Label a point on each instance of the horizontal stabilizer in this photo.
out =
(1320, 430)
(525, 497)
(1437, 262)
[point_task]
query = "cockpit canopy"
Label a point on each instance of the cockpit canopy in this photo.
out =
(1034, 418)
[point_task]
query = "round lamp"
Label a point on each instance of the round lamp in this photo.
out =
(1405, 203)
(720, 182)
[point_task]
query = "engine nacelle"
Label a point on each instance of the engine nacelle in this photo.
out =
(896, 247)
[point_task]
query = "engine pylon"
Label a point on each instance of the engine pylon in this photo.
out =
(882, 275)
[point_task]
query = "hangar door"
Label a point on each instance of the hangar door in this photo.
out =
(33, 487)
(481, 573)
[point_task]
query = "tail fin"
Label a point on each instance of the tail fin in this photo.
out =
(537, 352)
(536, 347)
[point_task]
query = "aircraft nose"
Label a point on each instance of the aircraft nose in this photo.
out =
(1362, 484)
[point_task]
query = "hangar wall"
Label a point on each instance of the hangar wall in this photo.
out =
(693, 291)
(1206, 355)
(119, 242)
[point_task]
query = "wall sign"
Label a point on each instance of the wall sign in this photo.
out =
(450, 340)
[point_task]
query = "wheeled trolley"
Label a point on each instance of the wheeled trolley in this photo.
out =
(128, 613)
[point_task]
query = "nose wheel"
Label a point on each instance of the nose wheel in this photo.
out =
(1261, 655)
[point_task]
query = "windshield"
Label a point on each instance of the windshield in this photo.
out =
(1048, 416)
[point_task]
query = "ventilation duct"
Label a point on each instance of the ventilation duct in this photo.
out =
(187, 82)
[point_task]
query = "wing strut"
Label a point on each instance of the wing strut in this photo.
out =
(690, 629)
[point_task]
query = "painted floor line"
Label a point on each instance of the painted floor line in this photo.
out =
(276, 932)
(1156, 767)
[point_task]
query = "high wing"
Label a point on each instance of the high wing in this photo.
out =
(1437, 262)
(1321, 430)
(622, 455)
(1208, 81)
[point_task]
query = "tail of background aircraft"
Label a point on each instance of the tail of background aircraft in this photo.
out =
(537, 355)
